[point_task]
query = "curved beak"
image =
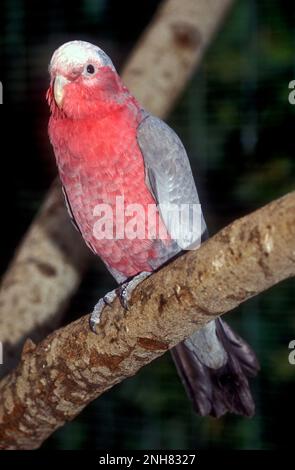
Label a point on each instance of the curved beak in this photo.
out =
(58, 89)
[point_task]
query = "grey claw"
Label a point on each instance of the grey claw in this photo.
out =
(94, 319)
(124, 293)
(95, 316)
(125, 290)
(110, 297)
(123, 296)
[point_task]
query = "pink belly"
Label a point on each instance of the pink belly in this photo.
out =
(123, 236)
(104, 163)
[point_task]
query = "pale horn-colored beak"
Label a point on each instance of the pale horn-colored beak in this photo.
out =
(58, 89)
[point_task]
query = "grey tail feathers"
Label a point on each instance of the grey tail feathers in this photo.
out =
(215, 392)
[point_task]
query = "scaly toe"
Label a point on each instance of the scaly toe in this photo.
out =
(95, 316)
(123, 295)
(125, 290)
(110, 297)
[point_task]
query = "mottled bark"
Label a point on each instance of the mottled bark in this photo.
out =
(50, 261)
(56, 379)
(45, 271)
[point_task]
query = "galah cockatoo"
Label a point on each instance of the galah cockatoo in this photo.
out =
(108, 147)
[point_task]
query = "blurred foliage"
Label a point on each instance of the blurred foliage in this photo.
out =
(237, 125)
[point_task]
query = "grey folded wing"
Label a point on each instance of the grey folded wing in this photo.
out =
(170, 180)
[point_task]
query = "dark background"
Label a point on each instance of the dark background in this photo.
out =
(238, 127)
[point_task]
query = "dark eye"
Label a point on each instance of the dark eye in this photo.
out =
(90, 69)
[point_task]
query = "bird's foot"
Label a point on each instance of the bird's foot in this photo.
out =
(97, 311)
(125, 290)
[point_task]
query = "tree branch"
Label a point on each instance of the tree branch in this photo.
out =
(50, 261)
(58, 378)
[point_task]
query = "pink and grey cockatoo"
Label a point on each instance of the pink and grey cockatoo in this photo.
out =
(106, 146)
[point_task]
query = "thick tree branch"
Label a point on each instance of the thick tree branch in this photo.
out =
(72, 366)
(51, 259)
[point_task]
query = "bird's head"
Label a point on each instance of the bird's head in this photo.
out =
(83, 80)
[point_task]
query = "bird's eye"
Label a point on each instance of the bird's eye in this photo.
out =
(90, 69)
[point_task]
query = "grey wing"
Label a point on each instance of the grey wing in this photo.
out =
(170, 179)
